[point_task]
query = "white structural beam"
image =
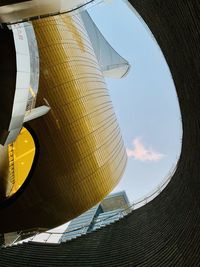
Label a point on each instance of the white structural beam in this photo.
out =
(11, 13)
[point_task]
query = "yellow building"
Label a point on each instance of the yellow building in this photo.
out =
(75, 153)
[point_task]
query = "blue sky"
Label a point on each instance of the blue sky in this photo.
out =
(145, 101)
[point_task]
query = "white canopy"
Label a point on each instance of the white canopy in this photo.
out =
(111, 63)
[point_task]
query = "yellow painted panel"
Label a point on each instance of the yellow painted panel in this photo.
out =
(21, 155)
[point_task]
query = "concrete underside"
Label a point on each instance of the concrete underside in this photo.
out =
(165, 232)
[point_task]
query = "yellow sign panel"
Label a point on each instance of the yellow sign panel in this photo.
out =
(21, 154)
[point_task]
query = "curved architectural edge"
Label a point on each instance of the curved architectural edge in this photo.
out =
(166, 231)
(27, 77)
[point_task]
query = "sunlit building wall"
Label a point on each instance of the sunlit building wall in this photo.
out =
(79, 147)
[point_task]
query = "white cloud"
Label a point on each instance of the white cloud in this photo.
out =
(140, 152)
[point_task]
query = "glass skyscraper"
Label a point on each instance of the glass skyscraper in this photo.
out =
(112, 208)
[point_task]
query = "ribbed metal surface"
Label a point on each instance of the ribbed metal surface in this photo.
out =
(81, 151)
(166, 231)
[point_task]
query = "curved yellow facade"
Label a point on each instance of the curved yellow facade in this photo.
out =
(81, 151)
(21, 155)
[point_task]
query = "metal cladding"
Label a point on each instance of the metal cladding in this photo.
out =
(166, 231)
(79, 147)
